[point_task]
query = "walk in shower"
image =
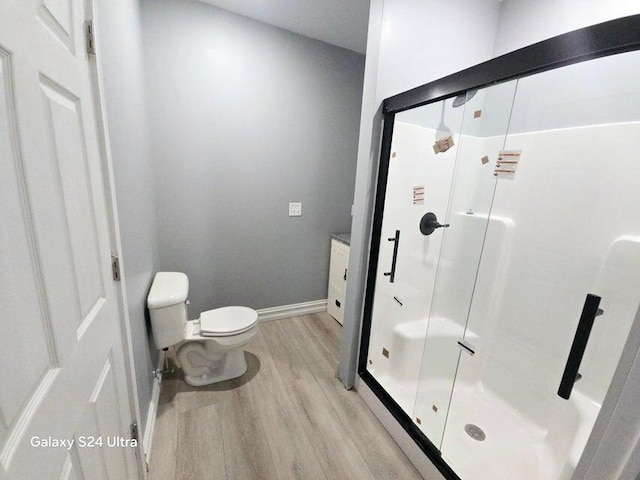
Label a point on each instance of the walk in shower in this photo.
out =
(505, 266)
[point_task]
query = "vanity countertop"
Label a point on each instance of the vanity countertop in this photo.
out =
(342, 237)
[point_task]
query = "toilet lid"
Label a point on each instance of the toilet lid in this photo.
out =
(227, 321)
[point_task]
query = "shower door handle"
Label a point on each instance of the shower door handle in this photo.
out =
(396, 241)
(570, 376)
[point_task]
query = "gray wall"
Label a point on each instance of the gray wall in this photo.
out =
(246, 118)
(120, 55)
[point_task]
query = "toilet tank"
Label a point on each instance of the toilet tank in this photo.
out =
(168, 308)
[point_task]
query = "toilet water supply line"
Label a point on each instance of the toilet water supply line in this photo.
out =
(165, 363)
(165, 368)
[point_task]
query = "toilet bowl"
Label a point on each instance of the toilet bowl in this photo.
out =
(208, 349)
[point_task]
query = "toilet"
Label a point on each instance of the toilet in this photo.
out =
(208, 349)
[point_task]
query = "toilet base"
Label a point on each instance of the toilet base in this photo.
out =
(224, 366)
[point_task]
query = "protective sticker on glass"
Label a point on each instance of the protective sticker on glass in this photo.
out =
(418, 195)
(507, 164)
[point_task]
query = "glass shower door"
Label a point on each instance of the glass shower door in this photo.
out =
(421, 168)
(438, 198)
(559, 280)
(483, 134)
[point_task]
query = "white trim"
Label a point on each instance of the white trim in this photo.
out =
(104, 144)
(152, 414)
(294, 310)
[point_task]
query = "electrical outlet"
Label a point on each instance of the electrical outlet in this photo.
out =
(295, 209)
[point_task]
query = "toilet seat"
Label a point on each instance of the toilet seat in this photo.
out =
(227, 321)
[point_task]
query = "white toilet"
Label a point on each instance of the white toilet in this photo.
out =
(208, 349)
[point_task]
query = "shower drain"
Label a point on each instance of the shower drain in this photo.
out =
(475, 432)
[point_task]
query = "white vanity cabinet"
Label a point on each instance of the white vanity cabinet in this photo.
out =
(338, 274)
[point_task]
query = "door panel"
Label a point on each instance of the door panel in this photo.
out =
(57, 16)
(28, 333)
(67, 152)
(71, 469)
(103, 405)
(61, 344)
(337, 280)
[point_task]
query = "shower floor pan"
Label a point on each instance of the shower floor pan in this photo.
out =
(514, 447)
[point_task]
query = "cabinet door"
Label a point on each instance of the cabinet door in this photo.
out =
(342, 271)
(337, 280)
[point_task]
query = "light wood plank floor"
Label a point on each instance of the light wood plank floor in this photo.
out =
(288, 417)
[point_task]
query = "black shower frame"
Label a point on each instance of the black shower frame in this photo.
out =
(601, 40)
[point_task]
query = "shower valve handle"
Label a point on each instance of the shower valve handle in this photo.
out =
(429, 223)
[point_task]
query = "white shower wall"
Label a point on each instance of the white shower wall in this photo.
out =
(572, 229)
(575, 207)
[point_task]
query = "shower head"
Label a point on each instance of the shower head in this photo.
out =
(462, 99)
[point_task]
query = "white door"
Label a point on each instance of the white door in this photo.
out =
(62, 374)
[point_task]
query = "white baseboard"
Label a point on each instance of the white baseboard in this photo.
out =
(150, 426)
(286, 311)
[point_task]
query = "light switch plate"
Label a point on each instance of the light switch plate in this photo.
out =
(295, 209)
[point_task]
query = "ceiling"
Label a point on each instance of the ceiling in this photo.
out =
(338, 22)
